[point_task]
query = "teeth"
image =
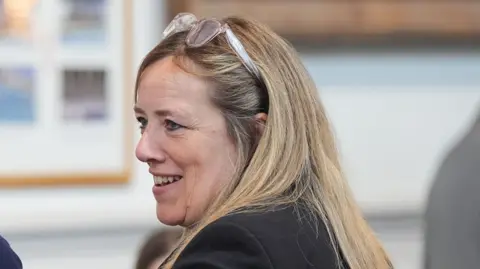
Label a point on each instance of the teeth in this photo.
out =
(158, 180)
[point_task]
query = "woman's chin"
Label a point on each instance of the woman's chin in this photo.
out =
(170, 218)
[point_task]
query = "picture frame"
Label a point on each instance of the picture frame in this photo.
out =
(376, 21)
(74, 124)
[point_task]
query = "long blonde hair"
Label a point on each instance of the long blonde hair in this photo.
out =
(295, 158)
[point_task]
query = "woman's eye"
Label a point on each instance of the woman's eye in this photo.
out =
(142, 122)
(172, 126)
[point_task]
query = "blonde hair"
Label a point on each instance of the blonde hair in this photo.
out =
(295, 158)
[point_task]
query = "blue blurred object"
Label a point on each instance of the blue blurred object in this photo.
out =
(8, 258)
(16, 99)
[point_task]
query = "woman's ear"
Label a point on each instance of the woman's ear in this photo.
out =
(260, 121)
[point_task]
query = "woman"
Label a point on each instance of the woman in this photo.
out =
(242, 155)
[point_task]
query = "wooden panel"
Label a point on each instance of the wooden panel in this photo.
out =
(28, 181)
(317, 18)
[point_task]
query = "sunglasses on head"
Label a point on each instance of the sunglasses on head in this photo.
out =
(200, 32)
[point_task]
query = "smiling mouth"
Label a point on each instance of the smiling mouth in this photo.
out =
(163, 181)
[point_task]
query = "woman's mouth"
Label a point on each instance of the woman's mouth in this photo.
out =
(161, 181)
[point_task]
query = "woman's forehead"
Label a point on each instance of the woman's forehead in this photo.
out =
(164, 79)
(166, 73)
(166, 87)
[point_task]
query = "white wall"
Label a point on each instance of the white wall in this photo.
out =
(396, 113)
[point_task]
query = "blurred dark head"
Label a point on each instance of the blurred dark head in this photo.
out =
(157, 247)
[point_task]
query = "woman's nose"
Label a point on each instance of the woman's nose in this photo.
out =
(148, 150)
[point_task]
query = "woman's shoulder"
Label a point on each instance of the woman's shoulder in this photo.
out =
(286, 235)
(224, 244)
(270, 217)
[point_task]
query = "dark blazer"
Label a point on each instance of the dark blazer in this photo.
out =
(8, 258)
(282, 238)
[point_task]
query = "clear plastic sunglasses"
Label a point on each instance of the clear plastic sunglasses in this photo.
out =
(205, 30)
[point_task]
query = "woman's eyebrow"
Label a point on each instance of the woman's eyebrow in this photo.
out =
(138, 110)
(164, 112)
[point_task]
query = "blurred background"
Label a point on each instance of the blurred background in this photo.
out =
(400, 80)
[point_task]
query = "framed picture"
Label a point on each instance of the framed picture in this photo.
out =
(84, 95)
(374, 20)
(84, 22)
(17, 91)
(66, 111)
(16, 21)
